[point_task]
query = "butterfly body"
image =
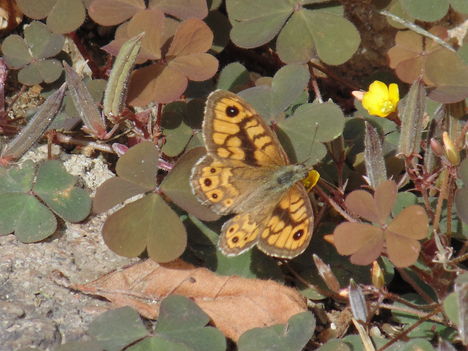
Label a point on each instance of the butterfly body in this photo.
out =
(246, 172)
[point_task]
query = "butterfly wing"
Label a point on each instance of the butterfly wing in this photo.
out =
(239, 175)
(288, 230)
(240, 233)
(234, 131)
(225, 186)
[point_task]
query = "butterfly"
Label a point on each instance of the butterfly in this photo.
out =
(246, 172)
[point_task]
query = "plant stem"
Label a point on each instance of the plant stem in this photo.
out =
(409, 329)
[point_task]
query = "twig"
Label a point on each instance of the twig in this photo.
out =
(415, 286)
(334, 76)
(411, 311)
(409, 329)
(315, 87)
(334, 205)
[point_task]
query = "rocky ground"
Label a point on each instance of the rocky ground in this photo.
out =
(36, 307)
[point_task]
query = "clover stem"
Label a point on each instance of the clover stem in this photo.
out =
(407, 278)
(412, 327)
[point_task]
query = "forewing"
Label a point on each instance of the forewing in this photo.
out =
(288, 230)
(234, 131)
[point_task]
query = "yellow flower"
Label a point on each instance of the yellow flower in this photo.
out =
(311, 180)
(381, 100)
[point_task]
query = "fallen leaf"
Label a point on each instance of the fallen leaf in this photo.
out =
(234, 304)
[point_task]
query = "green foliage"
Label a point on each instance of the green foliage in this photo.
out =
(158, 229)
(292, 336)
(118, 328)
(233, 77)
(417, 228)
(182, 322)
(311, 126)
(427, 329)
(181, 326)
(178, 119)
(334, 345)
(302, 31)
(63, 16)
(412, 345)
(285, 89)
(22, 191)
(31, 54)
(432, 10)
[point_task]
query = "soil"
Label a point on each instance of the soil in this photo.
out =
(36, 307)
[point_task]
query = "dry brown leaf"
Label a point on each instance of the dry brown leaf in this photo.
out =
(234, 304)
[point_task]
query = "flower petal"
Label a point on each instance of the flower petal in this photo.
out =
(393, 93)
(381, 100)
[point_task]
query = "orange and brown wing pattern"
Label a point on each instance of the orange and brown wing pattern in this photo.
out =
(239, 234)
(288, 230)
(224, 186)
(234, 131)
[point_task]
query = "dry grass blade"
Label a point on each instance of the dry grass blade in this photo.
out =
(84, 103)
(36, 126)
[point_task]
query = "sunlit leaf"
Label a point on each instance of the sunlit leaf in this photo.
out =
(24, 215)
(361, 203)
(256, 23)
(118, 328)
(233, 77)
(158, 229)
(363, 241)
(412, 222)
(139, 165)
(114, 191)
(66, 16)
(165, 81)
(426, 10)
(332, 37)
(182, 9)
(293, 336)
(112, 12)
(57, 189)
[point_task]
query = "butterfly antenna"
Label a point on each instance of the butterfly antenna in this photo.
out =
(312, 143)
